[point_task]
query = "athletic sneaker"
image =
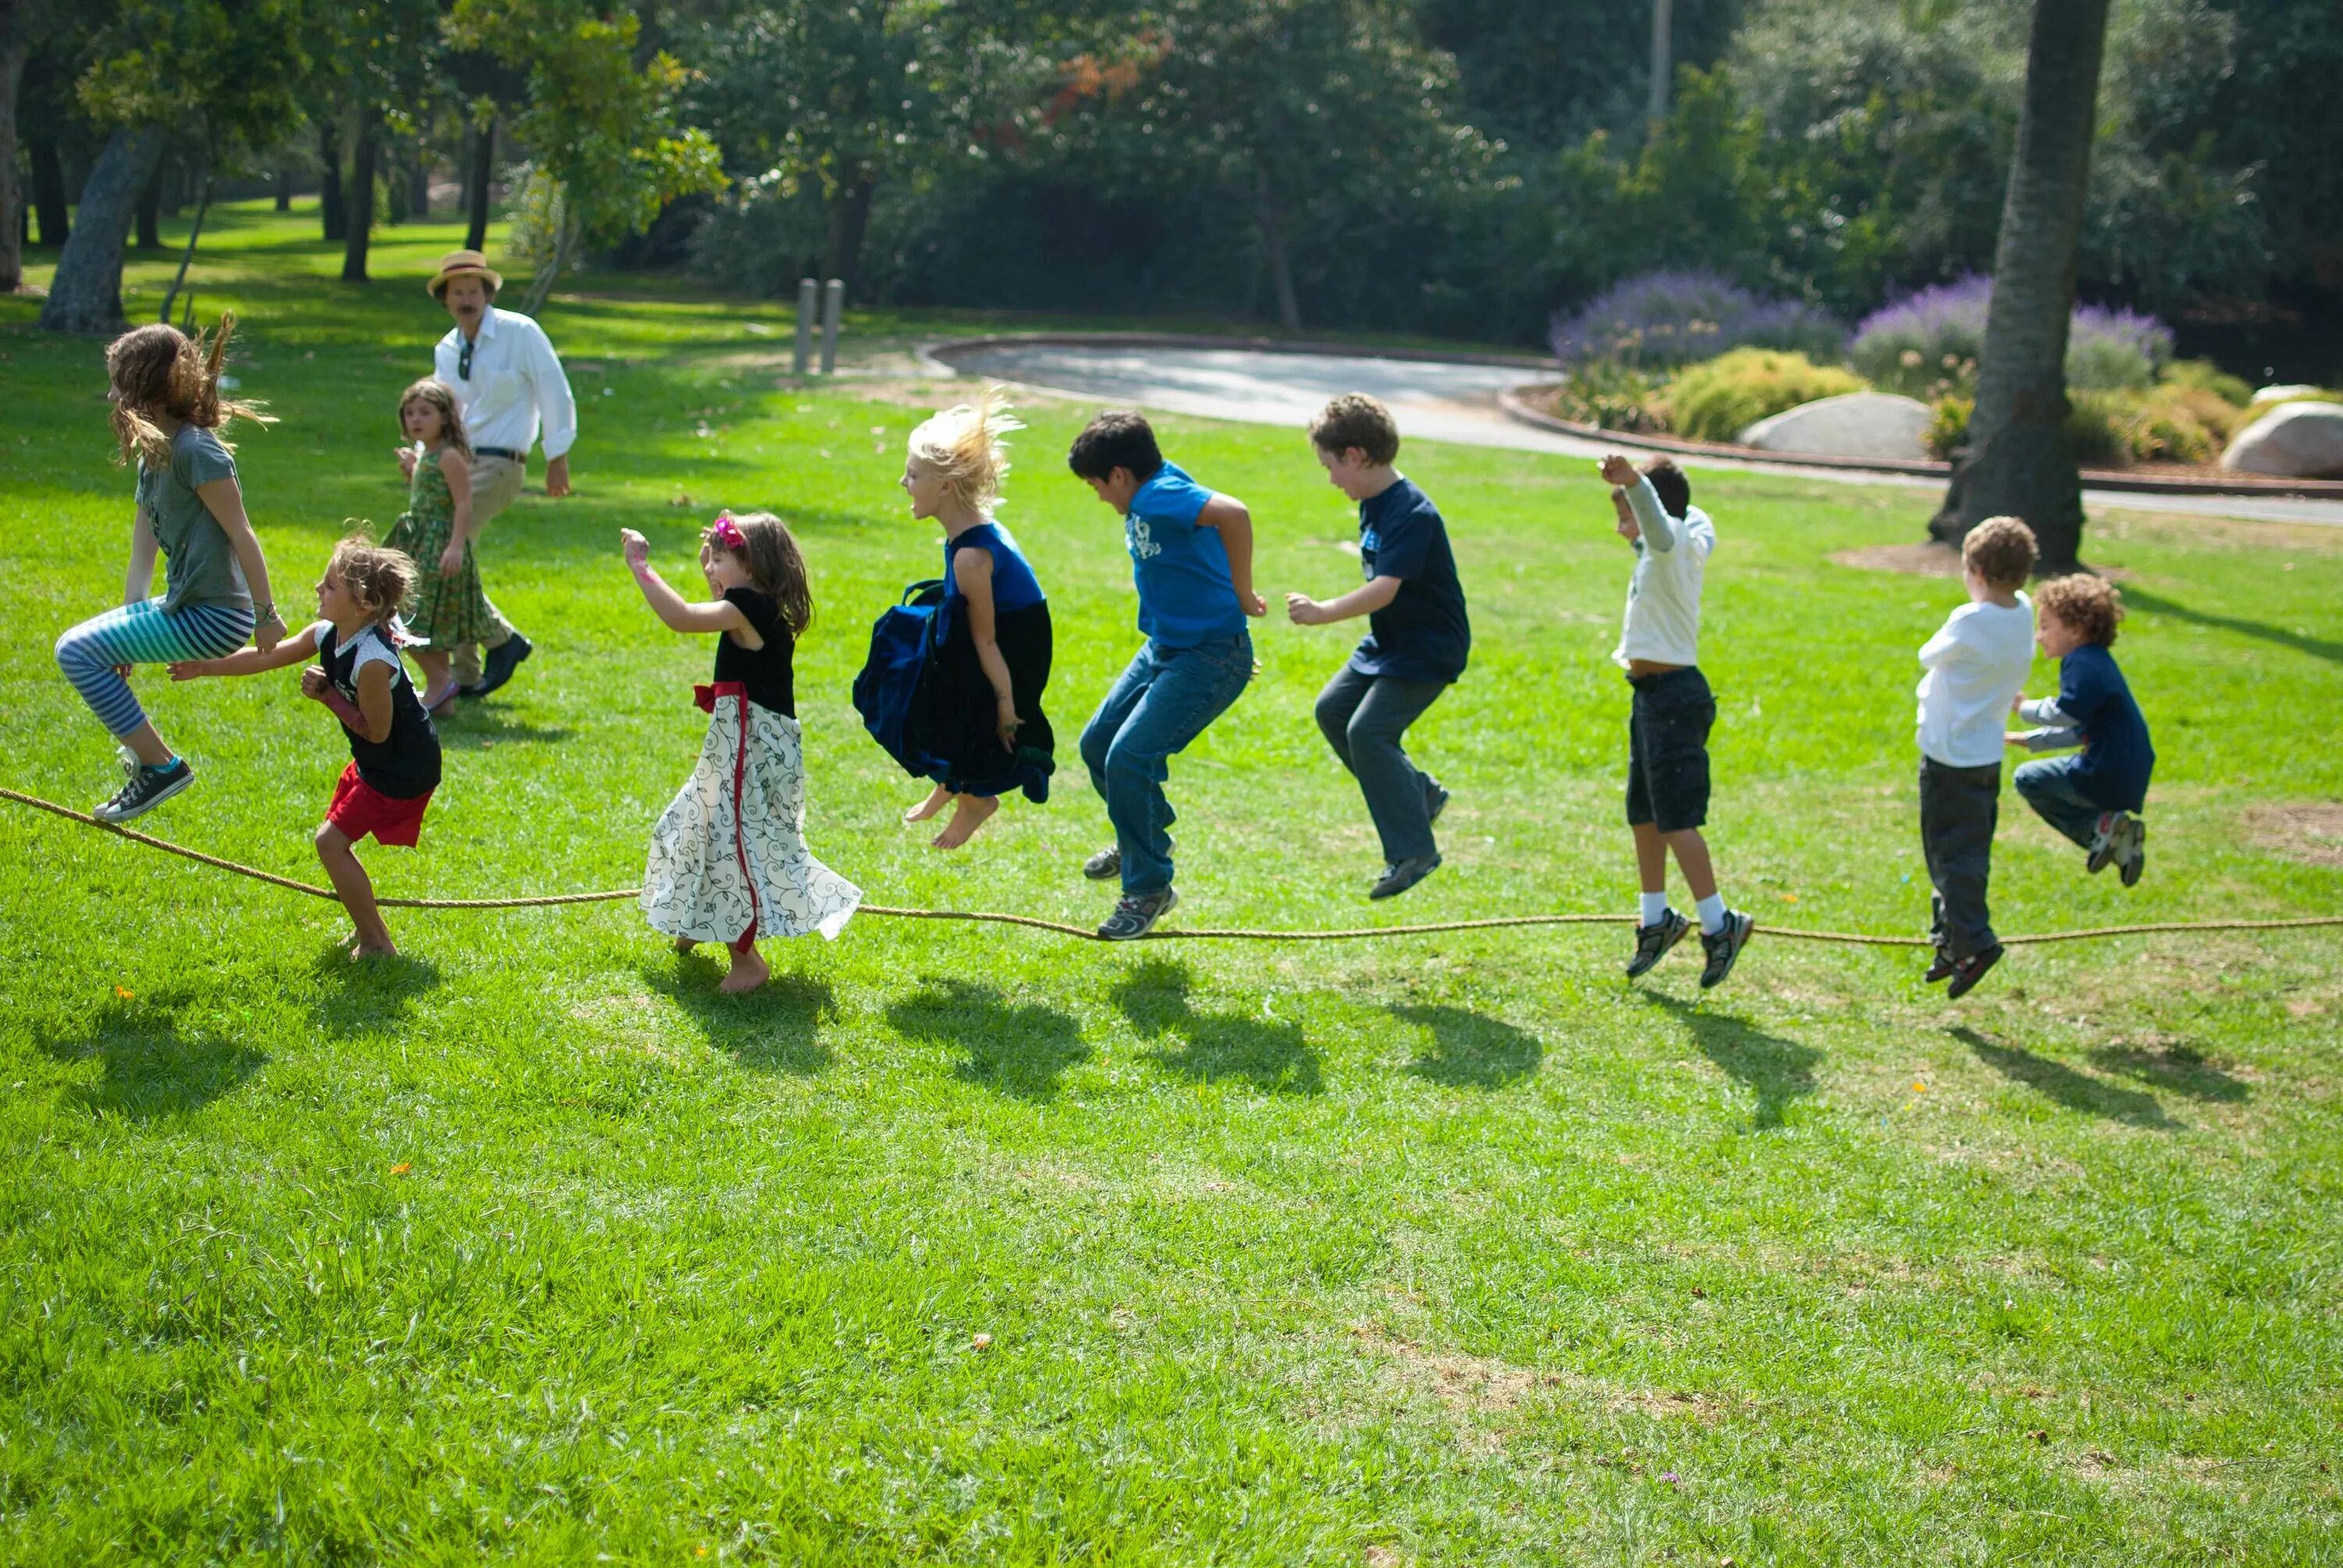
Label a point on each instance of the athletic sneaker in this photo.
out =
(2108, 842)
(1971, 969)
(497, 666)
(1724, 947)
(147, 789)
(1652, 942)
(1105, 866)
(1136, 915)
(1436, 801)
(2132, 858)
(1401, 875)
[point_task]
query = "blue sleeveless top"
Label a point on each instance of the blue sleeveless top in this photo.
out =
(1014, 585)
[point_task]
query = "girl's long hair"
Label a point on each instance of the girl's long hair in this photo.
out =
(440, 398)
(963, 444)
(378, 578)
(776, 567)
(159, 369)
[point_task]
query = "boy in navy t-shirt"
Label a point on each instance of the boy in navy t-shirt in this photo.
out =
(2095, 796)
(1417, 641)
(1192, 558)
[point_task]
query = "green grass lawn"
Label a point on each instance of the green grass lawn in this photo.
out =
(962, 1243)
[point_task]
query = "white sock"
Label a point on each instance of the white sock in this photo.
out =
(1655, 907)
(1712, 914)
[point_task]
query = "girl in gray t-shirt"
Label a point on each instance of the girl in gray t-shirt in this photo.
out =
(167, 408)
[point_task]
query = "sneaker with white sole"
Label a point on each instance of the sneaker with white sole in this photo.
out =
(1136, 915)
(2108, 842)
(147, 789)
(1105, 866)
(1724, 947)
(2131, 859)
(1654, 942)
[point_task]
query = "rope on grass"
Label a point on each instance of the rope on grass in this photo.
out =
(988, 916)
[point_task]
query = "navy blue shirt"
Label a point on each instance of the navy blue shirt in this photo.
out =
(1423, 634)
(2112, 772)
(1186, 594)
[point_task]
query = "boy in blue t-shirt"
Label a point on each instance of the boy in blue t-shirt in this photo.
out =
(1417, 640)
(1192, 558)
(2093, 797)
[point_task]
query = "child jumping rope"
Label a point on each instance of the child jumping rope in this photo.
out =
(984, 694)
(2095, 796)
(164, 388)
(393, 763)
(449, 607)
(728, 861)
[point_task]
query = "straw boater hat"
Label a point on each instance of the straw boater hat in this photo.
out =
(459, 264)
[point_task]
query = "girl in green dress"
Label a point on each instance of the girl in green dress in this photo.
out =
(447, 605)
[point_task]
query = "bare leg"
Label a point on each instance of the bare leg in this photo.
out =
(438, 682)
(970, 815)
(356, 892)
(935, 802)
(148, 746)
(1691, 857)
(750, 971)
(1651, 858)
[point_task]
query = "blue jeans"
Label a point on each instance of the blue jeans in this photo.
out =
(1161, 703)
(2048, 784)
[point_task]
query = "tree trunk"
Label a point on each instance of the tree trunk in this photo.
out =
(284, 188)
(85, 295)
(479, 187)
(203, 205)
(1272, 245)
(850, 219)
(362, 156)
(1656, 108)
(12, 49)
(418, 187)
(49, 206)
(540, 286)
(2017, 462)
(331, 208)
(150, 210)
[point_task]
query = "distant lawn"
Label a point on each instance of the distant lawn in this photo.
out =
(1450, 1250)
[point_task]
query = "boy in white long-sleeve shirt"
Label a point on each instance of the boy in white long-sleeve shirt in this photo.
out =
(1975, 665)
(1673, 710)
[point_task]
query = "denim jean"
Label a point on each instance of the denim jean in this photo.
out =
(1364, 718)
(1163, 701)
(2047, 783)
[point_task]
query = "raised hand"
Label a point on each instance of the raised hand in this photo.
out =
(637, 547)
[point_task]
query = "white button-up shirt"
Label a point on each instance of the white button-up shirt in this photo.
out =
(516, 382)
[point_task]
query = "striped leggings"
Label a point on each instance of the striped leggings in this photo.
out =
(143, 633)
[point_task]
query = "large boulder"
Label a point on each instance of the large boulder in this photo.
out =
(2294, 440)
(1852, 424)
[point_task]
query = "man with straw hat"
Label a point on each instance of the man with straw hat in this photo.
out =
(509, 384)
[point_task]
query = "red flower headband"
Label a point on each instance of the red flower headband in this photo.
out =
(727, 533)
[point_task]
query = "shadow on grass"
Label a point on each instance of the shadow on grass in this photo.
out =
(478, 727)
(1470, 1052)
(1211, 1046)
(2180, 1069)
(153, 1067)
(2318, 647)
(367, 995)
(1016, 1047)
(2057, 1082)
(777, 1028)
(1779, 1071)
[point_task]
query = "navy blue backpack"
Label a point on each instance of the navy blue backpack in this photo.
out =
(890, 691)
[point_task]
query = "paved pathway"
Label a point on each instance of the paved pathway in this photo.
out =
(1437, 400)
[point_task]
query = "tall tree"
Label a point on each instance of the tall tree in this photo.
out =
(15, 44)
(2017, 461)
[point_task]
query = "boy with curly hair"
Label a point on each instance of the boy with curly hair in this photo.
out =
(2095, 796)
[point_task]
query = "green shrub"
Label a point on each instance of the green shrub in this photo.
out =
(1613, 396)
(2206, 376)
(2169, 424)
(1948, 426)
(1718, 400)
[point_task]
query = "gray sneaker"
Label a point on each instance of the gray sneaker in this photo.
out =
(1653, 941)
(2131, 859)
(1725, 947)
(147, 789)
(1136, 915)
(1401, 875)
(1105, 866)
(2107, 843)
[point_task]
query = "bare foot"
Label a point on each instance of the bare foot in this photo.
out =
(928, 808)
(748, 972)
(685, 944)
(381, 949)
(971, 816)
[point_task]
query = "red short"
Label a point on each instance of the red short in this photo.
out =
(360, 808)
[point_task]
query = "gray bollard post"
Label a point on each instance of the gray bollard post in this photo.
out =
(833, 301)
(806, 288)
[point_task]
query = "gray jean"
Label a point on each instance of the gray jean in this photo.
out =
(1365, 716)
(1959, 807)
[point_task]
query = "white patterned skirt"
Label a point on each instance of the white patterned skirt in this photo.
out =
(728, 851)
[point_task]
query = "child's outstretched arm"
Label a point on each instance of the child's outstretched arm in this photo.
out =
(673, 611)
(1365, 599)
(1657, 529)
(301, 645)
(1228, 514)
(225, 501)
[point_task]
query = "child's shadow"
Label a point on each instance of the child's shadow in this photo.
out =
(364, 996)
(1019, 1049)
(777, 1028)
(1470, 1052)
(1778, 1071)
(2181, 1069)
(2056, 1082)
(1268, 1054)
(153, 1068)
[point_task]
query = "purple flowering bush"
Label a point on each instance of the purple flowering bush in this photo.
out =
(1662, 319)
(1927, 344)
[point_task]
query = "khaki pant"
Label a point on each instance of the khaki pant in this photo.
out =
(496, 484)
